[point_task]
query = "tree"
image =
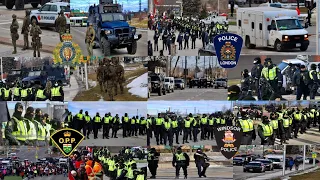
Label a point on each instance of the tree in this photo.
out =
(191, 7)
(204, 13)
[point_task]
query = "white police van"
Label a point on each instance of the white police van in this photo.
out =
(47, 15)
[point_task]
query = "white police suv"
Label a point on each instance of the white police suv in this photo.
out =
(47, 15)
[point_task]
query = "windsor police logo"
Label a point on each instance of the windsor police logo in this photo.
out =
(228, 139)
(228, 47)
(67, 140)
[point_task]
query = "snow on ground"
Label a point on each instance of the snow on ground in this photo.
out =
(139, 86)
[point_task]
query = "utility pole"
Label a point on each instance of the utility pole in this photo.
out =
(185, 69)
(1, 69)
(167, 67)
(204, 64)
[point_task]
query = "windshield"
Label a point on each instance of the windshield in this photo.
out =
(15, 72)
(237, 158)
(288, 24)
(282, 65)
(254, 164)
(178, 81)
(112, 17)
(34, 73)
(274, 159)
(166, 80)
(65, 8)
(155, 78)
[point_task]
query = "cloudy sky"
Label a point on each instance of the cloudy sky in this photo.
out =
(155, 107)
(132, 108)
(128, 5)
(35, 105)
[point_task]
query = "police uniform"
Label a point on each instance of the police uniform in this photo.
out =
(248, 131)
(265, 131)
(153, 160)
(181, 160)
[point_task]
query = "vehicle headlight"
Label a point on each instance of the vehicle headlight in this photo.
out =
(306, 35)
(286, 37)
(107, 32)
(133, 29)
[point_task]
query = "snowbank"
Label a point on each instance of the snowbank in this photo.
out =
(139, 86)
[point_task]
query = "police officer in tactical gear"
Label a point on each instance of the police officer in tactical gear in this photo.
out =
(6, 93)
(302, 83)
(181, 160)
(246, 82)
(36, 39)
(314, 81)
(233, 93)
(14, 33)
(247, 127)
(156, 40)
(15, 131)
(265, 131)
(200, 159)
(57, 93)
(153, 160)
(273, 77)
(256, 74)
(25, 30)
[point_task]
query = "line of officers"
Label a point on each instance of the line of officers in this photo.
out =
(32, 92)
(163, 128)
(121, 166)
(179, 160)
(131, 126)
(282, 124)
(32, 129)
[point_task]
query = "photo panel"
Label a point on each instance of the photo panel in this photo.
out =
(212, 164)
(188, 27)
(295, 78)
(110, 162)
(118, 28)
(186, 78)
(100, 79)
(272, 162)
(109, 123)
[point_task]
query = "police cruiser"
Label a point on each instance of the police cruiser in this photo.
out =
(47, 15)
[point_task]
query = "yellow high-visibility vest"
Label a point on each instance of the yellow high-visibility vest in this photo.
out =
(180, 157)
(187, 123)
(55, 92)
(97, 119)
(174, 124)
(267, 130)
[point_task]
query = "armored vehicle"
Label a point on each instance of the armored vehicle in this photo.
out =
(157, 84)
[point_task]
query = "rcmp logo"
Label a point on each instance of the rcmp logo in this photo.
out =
(67, 52)
(228, 139)
(228, 47)
(67, 140)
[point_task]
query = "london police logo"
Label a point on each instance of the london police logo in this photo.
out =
(67, 140)
(228, 139)
(228, 47)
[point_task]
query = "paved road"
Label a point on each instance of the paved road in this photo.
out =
(238, 173)
(193, 94)
(212, 173)
(79, 33)
(132, 141)
(244, 51)
(48, 36)
(6, 51)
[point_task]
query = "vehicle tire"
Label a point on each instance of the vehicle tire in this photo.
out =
(34, 5)
(132, 49)
(172, 89)
(9, 4)
(226, 87)
(149, 94)
(244, 170)
(19, 4)
(277, 46)
(164, 92)
(303, 48)
(159, 92)
(106, 47)
(248, 44)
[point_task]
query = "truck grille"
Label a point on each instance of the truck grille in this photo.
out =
(296, 38)
(124, 32)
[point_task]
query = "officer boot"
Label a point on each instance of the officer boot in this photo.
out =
(34, 54)
(14, 50)
(38, 53)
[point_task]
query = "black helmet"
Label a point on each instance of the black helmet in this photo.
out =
(18, 106)
(257, 60)
(313, 66)
(245, 71)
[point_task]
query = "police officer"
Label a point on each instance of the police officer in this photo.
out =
(273, 76)
(186, 40)
(61, 24)
(248, 130)
(30, 126)
(36, 40)
(25, 30)
(181, 160)
(25, 93)
(119, 78)
(265, 131)
(15, 131)
(14, 33)
(246, 82)
(195, 128)
(96, 125)
(41, 129)
(69, 120)
(164, 39)
(167, 133)
(87, 124)
(57, 93)
(125, 125)
(153, 160)
(314, 81)
(286, 122)
(158, 129)
(79, 121)
(6, 93)
(193, 40)
(297, 122)
(115, 126)
(41, 94)
(156, 40)
(90, 35)
(175, 129)
(186, 129)
(302, 83)
(200, 159)
(256, 74)
(17, 92)
(233, 93)
(106, 126)
(150, 52)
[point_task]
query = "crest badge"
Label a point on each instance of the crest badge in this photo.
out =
(67, 140)
(67, 52)
(228, 139)
(228, 48)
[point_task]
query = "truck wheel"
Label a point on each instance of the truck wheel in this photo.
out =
(277, 46)
(303, 48)
(19, 4)
(132, 49)
(9, 4)
(159, 92)
(34, 5)
(106, 47)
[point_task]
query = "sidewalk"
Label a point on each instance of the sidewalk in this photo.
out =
(71, 92)
(8, 41)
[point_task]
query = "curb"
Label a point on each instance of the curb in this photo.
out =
(8, 41)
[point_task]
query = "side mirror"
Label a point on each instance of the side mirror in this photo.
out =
(269, 27)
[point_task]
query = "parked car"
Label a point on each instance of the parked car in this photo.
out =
(157, 84)
(268, 164)
(169, 84)
(277, 164)
(221, 82)
(179, 83)
(254, 166)
(238, 161)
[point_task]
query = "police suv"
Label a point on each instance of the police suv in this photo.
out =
(47, 15)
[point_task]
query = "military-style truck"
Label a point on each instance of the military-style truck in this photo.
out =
(111, 29)
(19, 4)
